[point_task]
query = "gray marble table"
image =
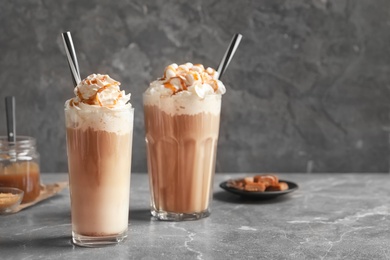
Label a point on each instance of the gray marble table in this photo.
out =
(331, 216)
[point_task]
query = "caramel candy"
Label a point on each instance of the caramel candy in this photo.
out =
(268, 180)
(258, 183)
(278, 187)
(248, 179)
(255, 186)
(236, 184)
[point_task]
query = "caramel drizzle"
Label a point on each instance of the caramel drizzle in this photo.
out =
(214, 85)
(195, 75)
(203, 78)
(95, 98)
(172, 87)
(165, 72)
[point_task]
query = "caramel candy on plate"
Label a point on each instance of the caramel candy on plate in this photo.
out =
(259, 183)
(259, 187)
(278, 187)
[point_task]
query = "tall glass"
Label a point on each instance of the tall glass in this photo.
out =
(99, 143)
(181, 139)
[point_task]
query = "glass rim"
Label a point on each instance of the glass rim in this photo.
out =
(175, 96)
(19, 139)
(100, 110)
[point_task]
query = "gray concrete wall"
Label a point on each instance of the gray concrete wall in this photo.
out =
(308, 89)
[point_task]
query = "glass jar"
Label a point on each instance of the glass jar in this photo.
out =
(19, 166)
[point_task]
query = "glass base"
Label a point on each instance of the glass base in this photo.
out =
(88, 241)
(172, 216)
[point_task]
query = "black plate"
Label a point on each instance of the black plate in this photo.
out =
(260, 195)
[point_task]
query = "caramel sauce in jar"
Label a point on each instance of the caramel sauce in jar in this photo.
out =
(19, 166)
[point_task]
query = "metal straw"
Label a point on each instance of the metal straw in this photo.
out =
(72, 58)
(229, 54)
(10, 114)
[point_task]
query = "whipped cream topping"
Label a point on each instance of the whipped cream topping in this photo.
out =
(99, 90)
(187, 79)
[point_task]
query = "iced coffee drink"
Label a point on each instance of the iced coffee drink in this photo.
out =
(182, 111)
(99, 127)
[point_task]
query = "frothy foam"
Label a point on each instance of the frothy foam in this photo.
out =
(186, 89)
(184, 103)
(101, 105)
(118, 121)
(193, 79)
(99, 91)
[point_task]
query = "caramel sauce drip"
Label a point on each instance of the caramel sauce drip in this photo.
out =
(95, 98)
(202, 76)
(195, 75)
(182, 82)
(171, 87)
(214, 85)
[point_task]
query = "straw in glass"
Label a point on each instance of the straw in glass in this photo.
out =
(229, 54)
(71, 57)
